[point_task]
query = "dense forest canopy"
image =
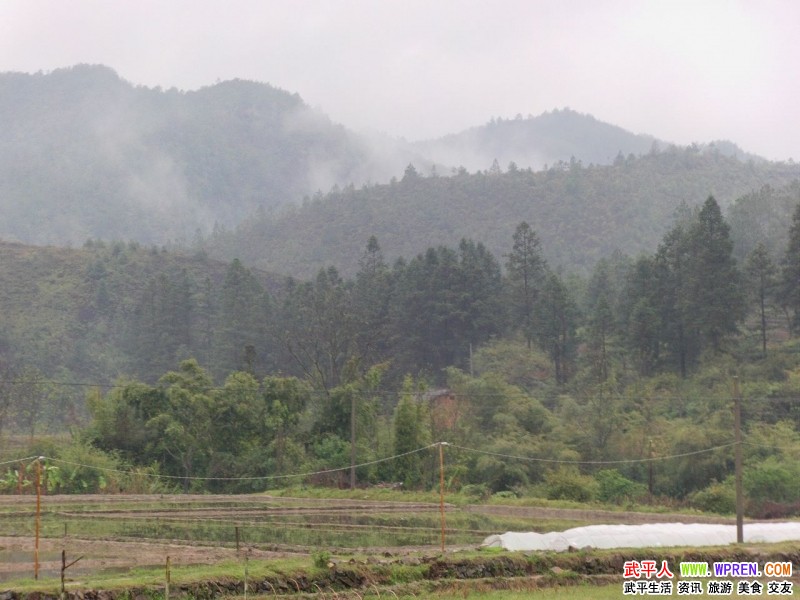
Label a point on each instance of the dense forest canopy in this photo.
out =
(85, 154)
(582, 213)
(572, 315)
(231, 372)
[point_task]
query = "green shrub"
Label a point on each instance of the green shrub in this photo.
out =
(567, 483)
(772, 481)
(321, 558)
(716, 497)
(505, 495)
(476, 491)
(614, 487)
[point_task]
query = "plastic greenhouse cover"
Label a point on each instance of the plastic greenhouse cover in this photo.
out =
(644, 536)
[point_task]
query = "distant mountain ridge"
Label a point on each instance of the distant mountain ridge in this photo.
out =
(537, 142)
(581, 214)
(85, 154)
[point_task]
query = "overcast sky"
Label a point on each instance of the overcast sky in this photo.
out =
(684, 71)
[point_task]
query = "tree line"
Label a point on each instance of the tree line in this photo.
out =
(507, 356)
(654, 313)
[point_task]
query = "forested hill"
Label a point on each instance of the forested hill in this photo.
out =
(85, 154)
(106, 310)
(554, 136)
(581, 213)
(537, 142)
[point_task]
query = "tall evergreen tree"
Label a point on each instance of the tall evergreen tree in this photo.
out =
(317, 328)
(481, 292)
(600, 323)
(445, 301)
(555, 321)
(715, 303)
(641, 315)
(240, 341)
(671, 281)
(162, 325)
(790, 272)
(372, 295)
(761, 273)
(698, 286)
(526, 270)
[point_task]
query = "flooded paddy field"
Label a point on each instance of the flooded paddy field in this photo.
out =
(118, 532)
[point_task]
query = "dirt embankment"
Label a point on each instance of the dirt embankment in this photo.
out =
(430, 573)
(605, 516)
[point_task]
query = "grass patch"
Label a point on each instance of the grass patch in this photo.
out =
(364, 541)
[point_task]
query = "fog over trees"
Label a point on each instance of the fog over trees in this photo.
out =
(238, 287)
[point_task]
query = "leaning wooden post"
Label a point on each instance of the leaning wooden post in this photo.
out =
(246, 561)
(737, 432)
(166, 586)
(64, 567)
(63, 570)
(441, 487)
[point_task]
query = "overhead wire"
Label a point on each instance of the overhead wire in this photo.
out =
(385, 393)
(135, 473)
(594, 462)
(248, 478)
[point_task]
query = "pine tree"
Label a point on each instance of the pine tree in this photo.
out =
(317, 328)
(243, 312)
(371, 301)
(410, 434)
(671, 277)
(698, 287)
(555, 320)
(526, 271)
(761, 273)
(790, 272)
(641, 315)
(715, 303)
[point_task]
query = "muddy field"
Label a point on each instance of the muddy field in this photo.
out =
(117, 532)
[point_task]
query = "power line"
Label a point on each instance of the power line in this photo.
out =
(253, 478)
(18, 461)
(771, 447)
(593, 462)
(135, 473)
(395, 393)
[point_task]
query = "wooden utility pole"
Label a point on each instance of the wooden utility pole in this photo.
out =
(352, 440)
(64, 567)
(38, 517)
(737, 426)
(441, 487)
(168, 577)
(650, 471)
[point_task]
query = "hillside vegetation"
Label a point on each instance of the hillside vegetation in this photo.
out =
(581, 213)
(85, 154)
(616, 387)
(572, 332)
(537, 142)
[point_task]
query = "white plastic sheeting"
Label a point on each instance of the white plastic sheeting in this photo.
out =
(650, 535)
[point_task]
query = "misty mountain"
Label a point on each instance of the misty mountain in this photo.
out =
(581, 213)
(85, 154)
(536, 142)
